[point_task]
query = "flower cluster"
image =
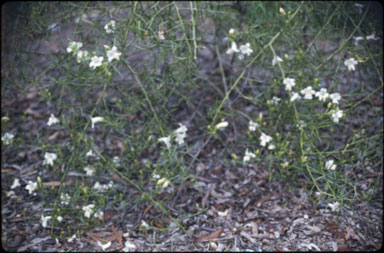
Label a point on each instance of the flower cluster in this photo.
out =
(7, 138)
(243, 49)
(95, 61)
(181, 134)
(102, 187)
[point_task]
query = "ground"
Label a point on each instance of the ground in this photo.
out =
(245, 209)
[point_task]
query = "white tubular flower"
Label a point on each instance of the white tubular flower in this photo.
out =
(44, 220)
(275, 60)
(372, 37)
(248, 155)
(90, 153)
(221, 125)
(49, 158)
(181, 133)
(74, 46)
(252, 126)
(110, 27)
(88, 210)
(271, 146)
(246, 49)
(113, 54)
(336, 115)
(335, 97)
(231, 31)
(96, 61)
(166, 140)
(70, 239)
(89, 171)
(264, 139)
(295, 96)
(161, 35)
(275, 100)
(322, 94)
(350, 63)
(329, 165)
(96, 120)
(233, 49)
(81, 55)
(308, 92)
(164, 182)
(104, 246)
(31, 187)
(16, 183)
(289, 83)
(7, 138)
(59, 218)
(335, 206)
(52, 120)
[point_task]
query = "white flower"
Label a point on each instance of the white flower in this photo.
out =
(104, 246)
(350, 63)
(7, 138)
(248, 155)
(282, 11)
(222, 214)
(16, 183)
(99, 214)
(181, 134)
(49, 158)
(329, 165)
(322, 94)
(52, 120)
(89, 170)
(252, 126)
(96, 61)
(166, 140)
(223, 124)
(307, 92)
(113, 54)
(59, 219)
(275, 100)
(231, 31)
(295, 96)
(116, 161)
(372, 37)
(90, 153)
(65, 199)
(289, 83)
(44, 220)
(264, 139)
(74, 46)
(110, 27)
(246, 49)
(161, 35)
(71, 238)
(129, 246)
(335, 97)
(271, 146)
(81, 55)
(335, 206)
(357, 39)
(156, 176)
(144, 224)
(275, 60)
(233, 49)
(96, 120)
(164, 182)
(336, 115)
(88, 210)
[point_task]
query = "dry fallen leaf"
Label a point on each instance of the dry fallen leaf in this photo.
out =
(210, 236)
